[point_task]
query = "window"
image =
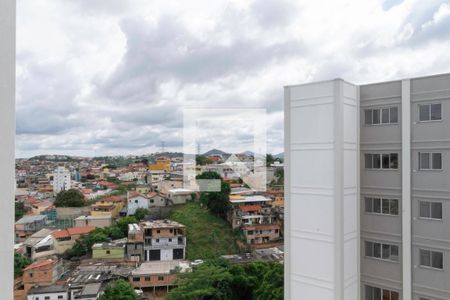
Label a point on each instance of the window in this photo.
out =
(160, 278)
(60, 297)
(430, 161)
(47, 298)
(381, 251)
(430, 210)
(136, 279)
(432, 259)
(108, 252)
(376, 293)
(381, 161)
(147, 278)
(381, 206)
(388, 115)
(158, 231)
(430, 112)
(157, 240)
(151, 200)
(170, 240)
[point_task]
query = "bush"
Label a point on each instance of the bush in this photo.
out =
(70, 198)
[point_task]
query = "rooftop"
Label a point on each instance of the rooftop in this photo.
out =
(244, 199)
(162, 224)
(40, 264)
(31, 219)
(47, 289)
(160, 267)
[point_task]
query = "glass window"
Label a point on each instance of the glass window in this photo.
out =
(393, 207)
(376, 116)
(436, 210)
(394, 161)
(425, 258)
(437, 259)
(386, 295)
(376, 293)
(385, 161)
(394, 115)
(368, 201)
(369, 249)
(394, 252)
(385, 116)
(377, 205)
(424, 112)
(386, 251)
(394, 296)
(376, 161)
(368, 158)
(369, 292)
(437, 161)
(377, 250)
(424, 209)
(368, 116)
(436, 111)
(424, 161)
(385, 206)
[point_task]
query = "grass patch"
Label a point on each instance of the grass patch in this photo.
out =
(208, 236)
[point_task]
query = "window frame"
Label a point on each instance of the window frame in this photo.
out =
(377, 113)
(429, 112)
(431, 156)
(381, 199)
(374, 161)
(431, 252)
(382, 291)
(430, 210)
(381, 246)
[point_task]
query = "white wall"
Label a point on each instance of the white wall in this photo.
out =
(321, 149)
(53, 296)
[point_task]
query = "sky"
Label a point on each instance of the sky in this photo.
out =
(113, 77)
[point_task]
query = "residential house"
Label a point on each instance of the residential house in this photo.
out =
(161, 164)
(156, 199)
(135, 201)
(39, 244)
(51, 292)
(66, 238)
(110, 250)
(157, 275)
(28, 225)
(42, 273)
(179, 196)
(135, 243)
(261, 233)
(163, 240)
(143, 189)
(109, 206)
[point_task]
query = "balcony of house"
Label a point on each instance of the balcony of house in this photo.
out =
(161, 243)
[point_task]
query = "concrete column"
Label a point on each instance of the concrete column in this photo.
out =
(321, 190)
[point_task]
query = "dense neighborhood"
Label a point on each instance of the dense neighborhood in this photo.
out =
(99, 228)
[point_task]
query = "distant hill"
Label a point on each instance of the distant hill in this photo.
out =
(248, 153)
(279, 155)
(215, 152)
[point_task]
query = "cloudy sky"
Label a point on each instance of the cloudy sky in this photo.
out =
(105, 77)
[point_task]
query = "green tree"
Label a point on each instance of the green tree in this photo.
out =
(119, 290)
(122, 223)
(208, 281)
(19, 210)
(202, 160)
(70, 198)
(20, 262)
(140, 213)
(217, 202)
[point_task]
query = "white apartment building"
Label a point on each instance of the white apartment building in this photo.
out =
(61, 180)
(367, 189)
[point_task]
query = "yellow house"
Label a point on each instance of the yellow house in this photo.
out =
(161, 164)
(106, 208)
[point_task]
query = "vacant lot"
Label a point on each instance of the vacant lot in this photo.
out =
(208, 236)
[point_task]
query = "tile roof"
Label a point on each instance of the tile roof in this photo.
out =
(80, 230)
(60, 234)
(39, 264)
(250, 208)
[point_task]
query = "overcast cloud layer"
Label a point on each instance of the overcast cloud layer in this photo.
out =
(105, 77)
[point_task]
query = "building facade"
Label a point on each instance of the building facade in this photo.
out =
(387, 146)
(61, 180)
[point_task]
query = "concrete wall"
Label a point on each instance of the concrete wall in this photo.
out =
(321, 186)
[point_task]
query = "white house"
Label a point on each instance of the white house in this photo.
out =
(135, 201)
(53, 292)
